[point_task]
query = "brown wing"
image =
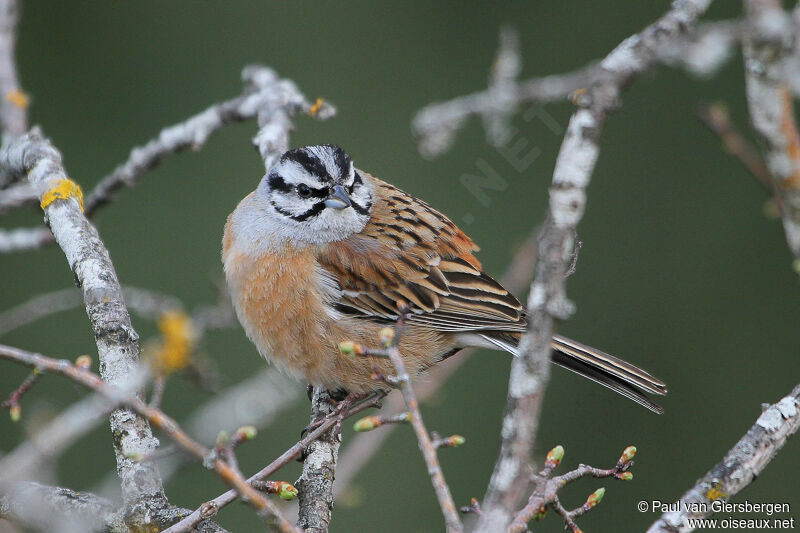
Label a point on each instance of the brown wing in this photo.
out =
(410, 253)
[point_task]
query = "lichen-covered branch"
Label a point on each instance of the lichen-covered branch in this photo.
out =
(547, 299)
(117, 341)
(740, 466)
(767, 45)
(315, 484)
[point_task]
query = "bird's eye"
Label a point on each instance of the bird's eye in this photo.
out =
(303, 191)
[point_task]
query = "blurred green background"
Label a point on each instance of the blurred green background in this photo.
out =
(680, 272)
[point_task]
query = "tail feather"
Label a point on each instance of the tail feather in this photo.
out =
(600, 367)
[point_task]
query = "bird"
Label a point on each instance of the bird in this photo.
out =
(322, 253)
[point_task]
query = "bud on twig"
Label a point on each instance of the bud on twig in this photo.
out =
(222, 438)
(595, 497)
(540, 513)
(350, 348)
(386, 336)
(367, 423)
(245, 433)
(627, 454)
(15, 412)
(554, 457)
(450, 442)
(624, 476)
(284, 490)
(84, 362)
(474, 507)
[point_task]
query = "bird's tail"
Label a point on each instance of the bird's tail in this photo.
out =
(607, 370)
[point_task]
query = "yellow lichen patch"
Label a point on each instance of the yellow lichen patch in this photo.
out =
(315, 107)
(61, 190)
(575, 95)
(715, 492)
(178, 337)
(18, 98)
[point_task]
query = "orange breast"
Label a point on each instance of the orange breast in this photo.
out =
(280, 300)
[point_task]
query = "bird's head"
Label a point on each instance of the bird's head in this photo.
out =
(314, 195)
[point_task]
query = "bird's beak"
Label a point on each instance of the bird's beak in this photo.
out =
(338, 198)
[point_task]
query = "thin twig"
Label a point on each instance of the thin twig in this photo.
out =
(718, 120)
(17, 195)
(546, 488)
(426, 446)
(212, 507)
(701, 50)
(740, 466)
(12, 404)
(158, 419)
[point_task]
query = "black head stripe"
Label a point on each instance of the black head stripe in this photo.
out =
(341, 159)
(277, 183)
(315, 210)
(310, 162)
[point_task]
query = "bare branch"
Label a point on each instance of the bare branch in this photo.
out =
(212, 507)
(118, 396)
(271, 100)
(545, 492)
(35, 506)
(426, 441)
(61, 510)
(547, 299)
(700, 50)
(452, 521)
(766, 48)
(117, 341)
(13, 102)
(315, 484)
(17, 195)
(265, 93)
(740, 466)
(14, 240)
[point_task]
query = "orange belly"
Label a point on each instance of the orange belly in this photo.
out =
(281, 300)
